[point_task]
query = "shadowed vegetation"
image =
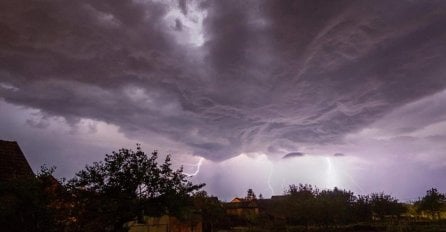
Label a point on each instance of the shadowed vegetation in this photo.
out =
(129, 185)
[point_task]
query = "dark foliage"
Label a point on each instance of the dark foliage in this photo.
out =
(432, 203)
(128, 185)
(211, 211)
(385, 205)
(32, 203)
(306, 206)
(250, 195)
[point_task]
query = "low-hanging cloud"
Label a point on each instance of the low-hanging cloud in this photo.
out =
(293, 155)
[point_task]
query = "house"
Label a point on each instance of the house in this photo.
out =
(242, 207)
(164, 223)
(13, 163)
(243, 211)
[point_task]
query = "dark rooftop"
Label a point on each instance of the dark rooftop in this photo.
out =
(13, 163)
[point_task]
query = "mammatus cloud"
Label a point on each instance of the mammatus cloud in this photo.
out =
(220, 78)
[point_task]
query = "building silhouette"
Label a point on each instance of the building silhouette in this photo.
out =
(13, 163)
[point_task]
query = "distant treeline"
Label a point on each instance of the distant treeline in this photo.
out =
(130, 184)
(307, 206)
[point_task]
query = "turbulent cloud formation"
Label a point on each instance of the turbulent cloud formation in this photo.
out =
(220, 78)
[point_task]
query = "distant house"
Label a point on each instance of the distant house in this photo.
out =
(13, 163)
(241, 210)
(242, 207)
(164, 224)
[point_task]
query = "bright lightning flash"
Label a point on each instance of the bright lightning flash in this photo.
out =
(198, 165)
(331, 174)
(269, 179)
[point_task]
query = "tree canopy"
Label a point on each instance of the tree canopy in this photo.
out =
(432, 203)
(250, 195)
(130, 184)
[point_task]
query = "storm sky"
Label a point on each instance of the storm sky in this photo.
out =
(261, 93)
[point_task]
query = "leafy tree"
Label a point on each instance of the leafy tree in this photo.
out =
(383, 204)
(302, 190)
(432, 202)
(127, 185)
(30, 204)
(362, 209)
(306, 205)
(334, 206)
(298, 205)
(250, 195)
(211, 210)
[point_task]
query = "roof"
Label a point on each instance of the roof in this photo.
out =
(13, 163)
(237, 203)
(237, 199)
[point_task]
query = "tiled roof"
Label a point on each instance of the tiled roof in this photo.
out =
(13, 163)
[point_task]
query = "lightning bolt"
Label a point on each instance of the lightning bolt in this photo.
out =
(198, 165)
(352, 180)
(269, 179)
(331, 174)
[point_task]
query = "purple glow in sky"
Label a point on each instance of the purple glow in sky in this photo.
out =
(352, 93)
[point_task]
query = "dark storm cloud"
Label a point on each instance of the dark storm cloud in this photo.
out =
(178, 25)
(183, 6)
(293, 155)
(275, 75)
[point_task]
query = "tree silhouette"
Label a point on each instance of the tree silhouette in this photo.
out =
(334, 206)
(250, 195)
(385, 205)
(362, 209)
(211, 210)
(299, 204)
(127, 185)
(32, 203)
(432, 202)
